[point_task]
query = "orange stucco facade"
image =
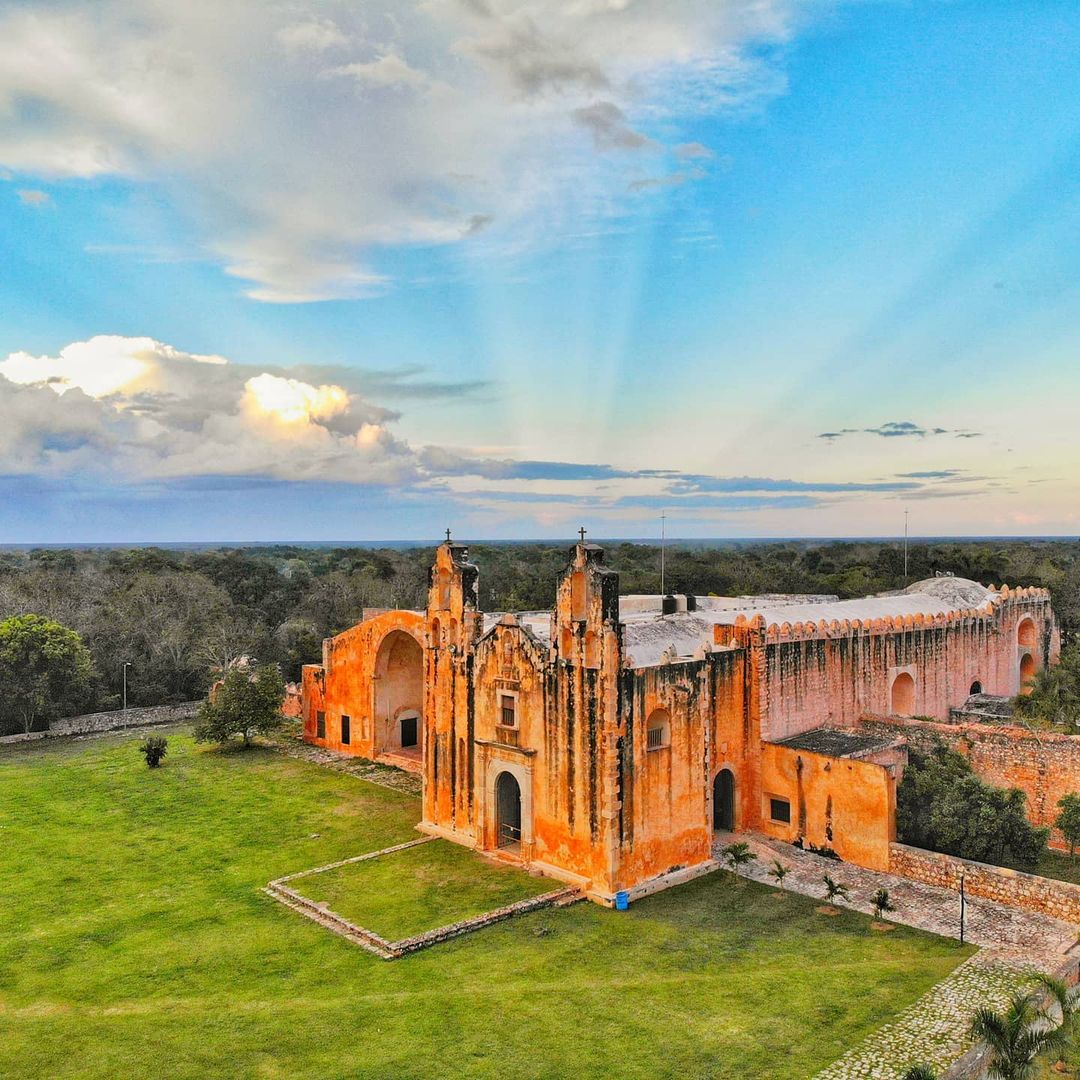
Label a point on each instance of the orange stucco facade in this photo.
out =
(569, 742)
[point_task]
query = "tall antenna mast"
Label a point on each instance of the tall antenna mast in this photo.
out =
(663, 536)
(905, 543)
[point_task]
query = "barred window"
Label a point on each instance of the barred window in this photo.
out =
(658, 730)
(346, 730)
(507, 710)
(320, 725)
(780, 810)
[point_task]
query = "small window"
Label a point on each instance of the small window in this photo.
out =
(320, 725)
(780, 810)
(346, 730)
(507, 711)
(658, 730)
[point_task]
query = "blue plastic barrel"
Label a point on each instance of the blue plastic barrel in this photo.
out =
(622, 901)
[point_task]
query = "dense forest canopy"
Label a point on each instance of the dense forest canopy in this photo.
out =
(178, 615)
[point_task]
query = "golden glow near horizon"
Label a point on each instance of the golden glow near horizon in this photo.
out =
(291, 401)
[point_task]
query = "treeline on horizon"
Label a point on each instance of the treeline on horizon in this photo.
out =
(177, 616)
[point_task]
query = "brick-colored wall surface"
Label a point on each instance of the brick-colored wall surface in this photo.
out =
(92, 723)
(831, 674)
(1044, 895)
(1044, 765)
(838, 803)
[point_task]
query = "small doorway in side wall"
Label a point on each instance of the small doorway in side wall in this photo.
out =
(409, 734)
(508, 812)
(724, 801)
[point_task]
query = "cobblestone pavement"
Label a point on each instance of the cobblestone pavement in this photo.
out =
(933, 1030)
(288, 741)
(1013, 944)
(1031, 937)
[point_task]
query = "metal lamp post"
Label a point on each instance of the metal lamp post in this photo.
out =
(963, 904)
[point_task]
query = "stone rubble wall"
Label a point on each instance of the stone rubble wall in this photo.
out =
(1047, 896)
(1044, 765)
(93, 723)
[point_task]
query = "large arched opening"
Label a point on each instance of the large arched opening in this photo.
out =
(724, 800)
(399, 695)
(1027, 673)
(1026, 634)
(507, 812)
(902, 696)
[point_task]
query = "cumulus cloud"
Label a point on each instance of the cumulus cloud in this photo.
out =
(304, 137)
(131, 410)
(136, 408)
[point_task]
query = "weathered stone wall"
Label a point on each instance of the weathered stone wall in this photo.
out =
(92, 723)
(839, 803)
(1044, 895)
(1043, 765)
(831, 673)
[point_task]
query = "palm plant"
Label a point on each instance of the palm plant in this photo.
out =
(1016, 1036)
(738, 855)
(919, 1072)
(882, 903)
(833, 889)
(778, 871)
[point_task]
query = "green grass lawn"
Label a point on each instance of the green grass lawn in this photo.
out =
(135, 943)
(421, 888)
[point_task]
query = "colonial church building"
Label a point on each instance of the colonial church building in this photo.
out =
(604, 742)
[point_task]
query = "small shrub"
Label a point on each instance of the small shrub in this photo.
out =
(154, 748)
(779, 871)
(738, 855)
(882, 903)
(834, 889)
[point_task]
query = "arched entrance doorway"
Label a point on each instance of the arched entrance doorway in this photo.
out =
(507, 812)
(399, 695)
(975, 688)
(723, 800)
(1027, 673)
(902, 701)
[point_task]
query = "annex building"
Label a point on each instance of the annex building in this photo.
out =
(605, 741)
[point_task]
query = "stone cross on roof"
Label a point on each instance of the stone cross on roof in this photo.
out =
(581, 533)
(448, 536)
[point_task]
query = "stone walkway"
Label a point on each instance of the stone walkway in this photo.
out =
(1013, 944)
(289, 741)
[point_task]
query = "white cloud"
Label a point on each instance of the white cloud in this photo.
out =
(303, 137)
(33, 197)
(388, 70)
(311, 34)
(135, 408)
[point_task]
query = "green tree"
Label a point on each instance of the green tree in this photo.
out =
(943, 806)
(738, 855)
(45, 672)
(779, 871)
(919, 1072)
(1054, 694)
(882, 903)
(834, 889)
(1068, 820)
(1017, 1035)
(247, 701)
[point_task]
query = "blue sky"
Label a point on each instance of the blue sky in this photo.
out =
(770, 269)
